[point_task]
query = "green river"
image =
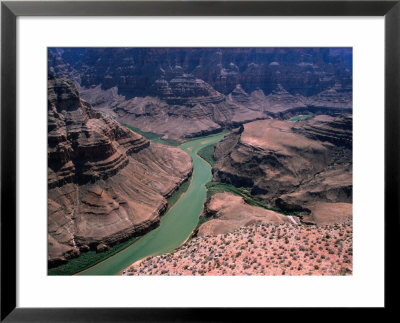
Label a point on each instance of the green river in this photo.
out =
(176, 225)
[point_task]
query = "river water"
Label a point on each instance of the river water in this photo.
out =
(176, 225)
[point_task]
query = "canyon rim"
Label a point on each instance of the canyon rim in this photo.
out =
(200, 161)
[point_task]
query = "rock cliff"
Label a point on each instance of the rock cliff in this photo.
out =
(106, 183)
(295, 166)
(186, 92)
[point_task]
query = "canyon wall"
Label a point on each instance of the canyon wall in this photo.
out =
(187, 92)
(105, 182)
(303, 166)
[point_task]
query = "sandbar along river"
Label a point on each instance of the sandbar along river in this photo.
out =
(176, 225)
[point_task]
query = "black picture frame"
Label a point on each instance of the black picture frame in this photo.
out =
(10, 10)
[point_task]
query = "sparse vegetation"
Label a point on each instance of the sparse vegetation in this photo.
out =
(89, 259)
(234, 253)
(207, 153)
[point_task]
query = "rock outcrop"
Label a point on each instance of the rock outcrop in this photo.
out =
(105, 182)
(182, 107)
(229, 212)
(292, 165)
(187, 92)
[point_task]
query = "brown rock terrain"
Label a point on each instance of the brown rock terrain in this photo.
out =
(187, 92)
(292, 165)
(334, 97)
(303, 71)
(189, 107)
(229, 212)
(106, 183)
(259, 249)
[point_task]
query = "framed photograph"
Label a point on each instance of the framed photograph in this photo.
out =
(200, 158)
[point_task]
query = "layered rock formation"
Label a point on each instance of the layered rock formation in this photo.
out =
(186, 92)
(294, 166)
(106, 183)
(182, 107)
(57, 66)
(303, 71)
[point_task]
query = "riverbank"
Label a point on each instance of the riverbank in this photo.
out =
(176, 225)
(92, 258)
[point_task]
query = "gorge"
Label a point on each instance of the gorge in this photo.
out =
(152, 151)
(105, 182)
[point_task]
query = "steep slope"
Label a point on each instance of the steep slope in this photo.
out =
(106, 183)
(294, 166)
(182, 107)
(303, 71)
(187, 92)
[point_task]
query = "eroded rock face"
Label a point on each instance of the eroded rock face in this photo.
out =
(229, 212)
(334, 97)
(303, 71)
(187, 92)
(57, 66)
(293, 166)
(106, 183)
(182, 107)
(83, 146)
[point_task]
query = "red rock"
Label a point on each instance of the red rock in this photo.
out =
(293, 165)
(106, 183)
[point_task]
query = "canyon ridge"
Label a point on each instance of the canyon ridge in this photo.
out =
(264, 136)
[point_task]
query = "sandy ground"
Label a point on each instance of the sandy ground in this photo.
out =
(259, 249)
